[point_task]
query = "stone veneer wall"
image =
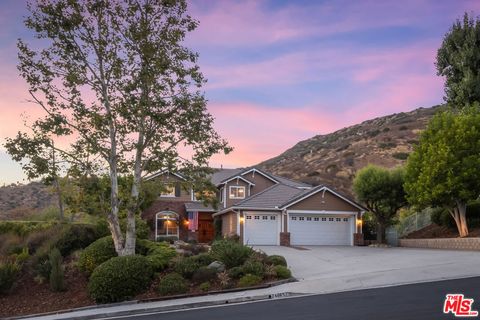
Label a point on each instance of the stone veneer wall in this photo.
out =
(445, 243)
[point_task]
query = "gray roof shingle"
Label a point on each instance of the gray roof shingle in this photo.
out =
(198, 206)
(271, 197)
(218, 176)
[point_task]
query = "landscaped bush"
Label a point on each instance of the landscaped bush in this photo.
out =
(283, 272)
(231, 253)
(186, 267)
(120, 278)
(203, 259)
(10, 243)
(276, 260)
(57, 281)
(400, 155)
(224, 279)
(249, 280)
(254, 267)
(204, 286)
(204, 274)
(74, 237)
(9, 270)
(172, 283)
(236, 272)
(96, 253)
(158, 253)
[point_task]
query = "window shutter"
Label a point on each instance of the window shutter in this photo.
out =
(177, 190)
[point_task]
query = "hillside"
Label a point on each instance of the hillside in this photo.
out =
(21, 200)
(335, 158)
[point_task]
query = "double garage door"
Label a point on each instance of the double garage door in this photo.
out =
(308, 229)
(305, 229)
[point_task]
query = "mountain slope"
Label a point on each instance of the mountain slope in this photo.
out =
(335, 158)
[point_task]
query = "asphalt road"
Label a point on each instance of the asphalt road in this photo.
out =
(417, 301)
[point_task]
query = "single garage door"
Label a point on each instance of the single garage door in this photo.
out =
(261, 229)
(320, 230)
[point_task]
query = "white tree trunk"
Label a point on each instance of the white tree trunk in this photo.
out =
(459, 215)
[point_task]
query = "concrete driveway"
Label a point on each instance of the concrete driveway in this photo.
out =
(323, 269)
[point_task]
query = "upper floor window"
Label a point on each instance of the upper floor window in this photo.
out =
(237, 192)
(169, 190)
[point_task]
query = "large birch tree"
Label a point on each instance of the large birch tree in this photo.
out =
(120, 92)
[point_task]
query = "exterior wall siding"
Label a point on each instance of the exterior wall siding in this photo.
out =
(260, 181)
(445, 243)
(329, 202)
(170, 178)
(231, 202)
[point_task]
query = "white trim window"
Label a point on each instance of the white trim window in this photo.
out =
(169, 191)
(237, 192)
(166, 225)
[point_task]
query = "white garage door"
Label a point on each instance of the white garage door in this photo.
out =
(261, 229)
(320, 230)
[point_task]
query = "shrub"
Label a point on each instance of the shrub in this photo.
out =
(57, 282)
(96, 253)
(249, 280)
(9, 270)
(283, 272)
(276, 260)
(120, 278)
(158, 253)
(224, 279)
(10, 243)
(254, 267)
(236, 272)
(270, 271)
(186, 267)
(204, 274)
(172, 283)
(74, 237)
(22, 228)
(203, 259)
(204, 286)
(232, 254)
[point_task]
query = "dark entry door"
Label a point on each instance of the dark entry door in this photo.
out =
(205, 231)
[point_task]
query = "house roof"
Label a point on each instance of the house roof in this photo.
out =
(271, 197)
(198, 206)
(223, 174)
(292, 183)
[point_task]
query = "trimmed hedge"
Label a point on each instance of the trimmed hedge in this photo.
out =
(231, 253)
(283, 272)
(96, 254)
(276, 260)
(172, 283)
(120, 278)
(254, 267)
(158, 253)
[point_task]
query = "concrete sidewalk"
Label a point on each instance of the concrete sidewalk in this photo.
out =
(324, 270)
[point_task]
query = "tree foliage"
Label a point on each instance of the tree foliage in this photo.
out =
(458, 60)
(381, 190)
(443, 170)
(121, 92)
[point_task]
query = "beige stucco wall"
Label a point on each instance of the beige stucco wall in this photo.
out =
(229, 224)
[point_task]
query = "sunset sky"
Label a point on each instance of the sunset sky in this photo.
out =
(283, 71)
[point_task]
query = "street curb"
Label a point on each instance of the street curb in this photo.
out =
(167, 308)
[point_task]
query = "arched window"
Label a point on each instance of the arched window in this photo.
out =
(166, 225)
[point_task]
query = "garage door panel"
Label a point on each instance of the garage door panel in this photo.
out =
(261, 229)
(320, 230)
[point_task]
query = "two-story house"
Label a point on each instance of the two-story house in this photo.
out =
(259, 207)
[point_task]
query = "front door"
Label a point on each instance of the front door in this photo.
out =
(205, 230)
